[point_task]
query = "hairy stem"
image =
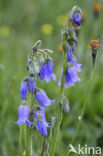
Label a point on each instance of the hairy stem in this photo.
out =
(28, 132)
(43, 146)
(20, 139)
(60, 112)
(50, 138)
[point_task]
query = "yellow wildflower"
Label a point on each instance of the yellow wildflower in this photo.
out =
(47, 29)
(83, 14)
(61, 20)
(60, 48)
(24, 153)
(4, 31)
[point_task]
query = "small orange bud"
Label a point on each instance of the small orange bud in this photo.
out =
(96, 7)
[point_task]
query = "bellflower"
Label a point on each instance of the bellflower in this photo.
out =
(76, 65)
(49, 71)
(46, 71)
(23, 115)
(24, 88)
(42, 124)
(42, 98)
(77, 18)
(42, 72)
(71, 77)
(32, 84)
(71, 59)
(69, 55)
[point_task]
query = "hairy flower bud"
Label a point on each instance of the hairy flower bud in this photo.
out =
(24, 88)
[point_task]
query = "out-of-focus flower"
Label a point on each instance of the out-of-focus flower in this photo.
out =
(32, 84)
(94, 44)
(83, 15)
(23, 115)
(47, 29)
(77, 17)
(42, 98)
(42, 124)
(96, 9)
(60, 47)
(24, 88)
(4, 31)
(46, 71)
(24, 153)
(61, 20)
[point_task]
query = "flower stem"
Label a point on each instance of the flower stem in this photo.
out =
(84, 105)
(50, 138)
(43, 146)
(20, 139)
(28, 141)
(28, 132)
(60, 112)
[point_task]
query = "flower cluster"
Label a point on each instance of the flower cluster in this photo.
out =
(69, 45)
(40, 66)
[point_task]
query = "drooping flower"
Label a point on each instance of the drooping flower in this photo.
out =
(76, 65)
(49, 71)
(69, 55)
(24, 88)
(46, 71)
(77, 17)
(23, 115)
(71, 59)
(42, 98)
(32, 84)
(42, 124)
(42, 72)
(71, 76)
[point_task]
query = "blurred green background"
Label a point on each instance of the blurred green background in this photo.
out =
(24, 22)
